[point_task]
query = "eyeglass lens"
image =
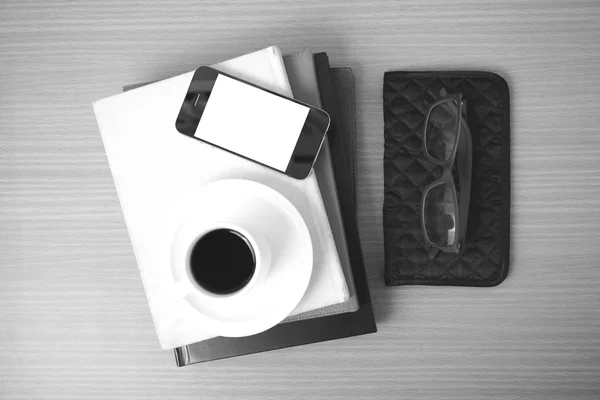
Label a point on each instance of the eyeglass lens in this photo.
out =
(440, 215)
(441, 132)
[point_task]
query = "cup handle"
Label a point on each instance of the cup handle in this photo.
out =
(178, 291)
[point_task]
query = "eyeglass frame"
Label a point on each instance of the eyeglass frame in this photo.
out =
(461, 210)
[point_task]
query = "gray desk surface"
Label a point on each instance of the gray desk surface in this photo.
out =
(73, 317)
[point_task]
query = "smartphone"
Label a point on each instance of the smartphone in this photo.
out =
(257, 124)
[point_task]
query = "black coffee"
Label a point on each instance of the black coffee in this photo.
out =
(222, 261)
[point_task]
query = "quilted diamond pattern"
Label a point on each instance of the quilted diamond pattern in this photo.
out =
(484, 259)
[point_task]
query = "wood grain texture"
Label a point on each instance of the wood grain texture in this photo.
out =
(73, 317)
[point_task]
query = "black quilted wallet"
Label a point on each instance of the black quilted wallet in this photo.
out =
(484, 259)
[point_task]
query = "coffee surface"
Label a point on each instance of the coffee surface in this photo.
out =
(222, 261)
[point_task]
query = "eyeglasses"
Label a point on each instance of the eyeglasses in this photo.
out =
(446, 138)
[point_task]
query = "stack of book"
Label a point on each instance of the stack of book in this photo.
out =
(337, 302)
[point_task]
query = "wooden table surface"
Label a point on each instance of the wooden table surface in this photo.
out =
(74, 323)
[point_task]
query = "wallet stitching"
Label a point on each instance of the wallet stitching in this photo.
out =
(503, 267)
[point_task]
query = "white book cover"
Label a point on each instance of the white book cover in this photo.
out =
(154, 167)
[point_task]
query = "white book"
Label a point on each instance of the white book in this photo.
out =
(154, 167)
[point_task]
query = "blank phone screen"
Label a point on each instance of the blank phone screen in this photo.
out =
(251, 122)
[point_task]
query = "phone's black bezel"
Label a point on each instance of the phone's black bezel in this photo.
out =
(309, 142)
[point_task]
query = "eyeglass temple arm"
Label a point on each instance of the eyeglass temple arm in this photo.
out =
(465, 167)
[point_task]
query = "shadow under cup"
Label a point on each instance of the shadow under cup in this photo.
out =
(222, 261)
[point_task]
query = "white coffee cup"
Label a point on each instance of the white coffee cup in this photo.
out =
(185, 283)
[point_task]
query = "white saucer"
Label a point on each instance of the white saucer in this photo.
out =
(246, 202)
